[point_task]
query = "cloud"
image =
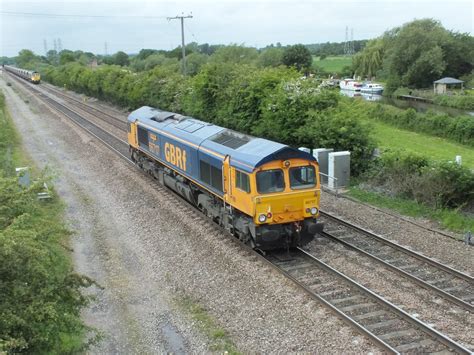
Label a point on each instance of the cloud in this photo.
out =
(255, 23)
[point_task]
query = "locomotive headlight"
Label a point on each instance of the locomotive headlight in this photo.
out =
(262, 218)
(314, 211)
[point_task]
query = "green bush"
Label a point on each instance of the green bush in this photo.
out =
(340, 128)
(465, 102)
(8, 138)
(286, 110)
(413, 176)
(40, 298)
(446, 184)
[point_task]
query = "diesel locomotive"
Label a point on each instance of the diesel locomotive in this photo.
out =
(265, 193)
(29, 75)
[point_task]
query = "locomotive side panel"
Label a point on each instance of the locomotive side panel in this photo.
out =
(174, 154)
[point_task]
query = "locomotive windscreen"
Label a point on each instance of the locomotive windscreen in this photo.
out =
(142, 136)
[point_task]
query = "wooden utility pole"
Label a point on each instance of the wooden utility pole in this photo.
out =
(183, 49)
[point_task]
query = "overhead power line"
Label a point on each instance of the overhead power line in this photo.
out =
(192, 34)
(34, 14)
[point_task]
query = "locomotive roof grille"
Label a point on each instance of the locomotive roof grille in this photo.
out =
(231, 139)
(161, 116)
(189, 126)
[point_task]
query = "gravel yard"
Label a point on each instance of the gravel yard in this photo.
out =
(146, 251)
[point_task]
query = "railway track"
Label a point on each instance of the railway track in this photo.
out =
(110, 119)
(387, 325)
(111, 141)
(448, 283)
(384, 323)
(56, 89)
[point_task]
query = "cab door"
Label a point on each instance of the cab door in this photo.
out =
(227, 181)
(132, 134)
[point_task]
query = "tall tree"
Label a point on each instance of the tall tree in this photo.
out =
(369, 61)
(234, 54)
(24, 58)
(271, 57)
(66, 57)
(297, 56)
(52, 57)
(121, 58)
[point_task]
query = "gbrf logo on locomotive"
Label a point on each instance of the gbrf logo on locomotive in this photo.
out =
(175, 156)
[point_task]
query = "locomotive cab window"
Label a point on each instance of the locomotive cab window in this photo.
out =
(270, 181)
(242, 181)
(302, 177)
(142, 136)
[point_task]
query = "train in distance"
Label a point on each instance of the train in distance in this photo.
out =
(30, 75)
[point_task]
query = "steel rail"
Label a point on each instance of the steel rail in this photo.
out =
(424, 327)
(412, 253)
(118, 145)
(54, 88)
(110, 119)
(419, 257)
(406, 274)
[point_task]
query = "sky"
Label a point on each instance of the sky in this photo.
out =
(130, 25)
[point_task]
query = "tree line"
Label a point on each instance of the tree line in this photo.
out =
(416, 54)
(265, 93)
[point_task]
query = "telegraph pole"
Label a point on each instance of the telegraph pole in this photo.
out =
(183, 49)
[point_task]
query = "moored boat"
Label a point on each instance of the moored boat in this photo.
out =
(350, 84)
(372, 88)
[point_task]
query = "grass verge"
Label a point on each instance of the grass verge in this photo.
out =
(452, 220)
(220, 341)
(333, 64)
(434, 147)
(40, 298)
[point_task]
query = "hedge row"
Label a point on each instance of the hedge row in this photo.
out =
(459, 129)
(274, 103)
(465, 102)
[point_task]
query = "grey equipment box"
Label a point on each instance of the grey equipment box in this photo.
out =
(304, 149)
(321, 155)
(339, 168)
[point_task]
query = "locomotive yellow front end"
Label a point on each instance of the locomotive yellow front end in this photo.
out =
(287, 203)
(35, 77)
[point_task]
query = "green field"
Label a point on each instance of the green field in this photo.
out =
(434, 147)
(333, 64)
